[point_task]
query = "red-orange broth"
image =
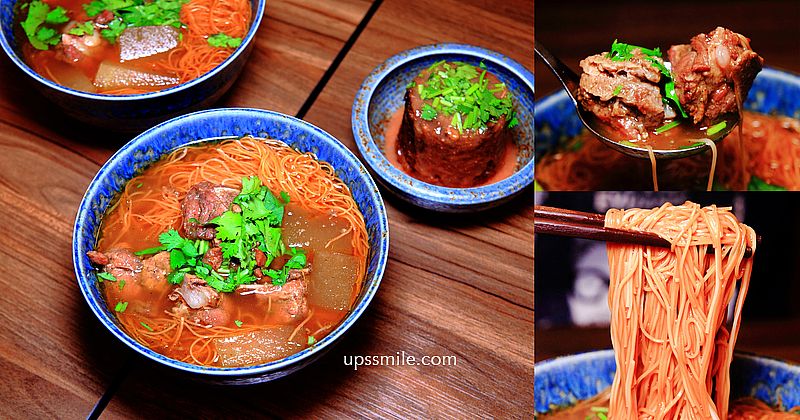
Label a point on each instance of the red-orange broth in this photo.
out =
(165, 58)
(245, 329)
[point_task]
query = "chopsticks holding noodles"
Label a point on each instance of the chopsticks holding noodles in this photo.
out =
(578, 224)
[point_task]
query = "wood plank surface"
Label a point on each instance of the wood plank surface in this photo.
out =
(56, 357)
(454, 286)
(588, 27)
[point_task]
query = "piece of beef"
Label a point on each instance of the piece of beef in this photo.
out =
(290, 299)
(437, 153)
(119, 262)
(623, 94)
(708, 70)
(74, 48)
(123, 264)
(155, 270)
(195, 292)
(104, 17)
(213, 257)
(202, 203)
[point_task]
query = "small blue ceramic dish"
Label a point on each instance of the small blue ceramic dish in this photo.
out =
(151, 145)
(563, 381)
(774, 92)
(381, 95)
(133, 113)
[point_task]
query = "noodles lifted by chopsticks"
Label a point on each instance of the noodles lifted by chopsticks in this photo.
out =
(668, 311)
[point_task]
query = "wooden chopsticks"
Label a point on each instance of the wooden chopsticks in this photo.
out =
(578, 224)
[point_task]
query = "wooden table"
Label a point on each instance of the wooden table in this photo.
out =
(456, 286)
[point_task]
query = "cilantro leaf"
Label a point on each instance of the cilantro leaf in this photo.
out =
(85, 28)
(176, 259)
(758, 184)
(221, 40)
(428, 112)
(57, 16)
(171, 239)
(229, 226)
(238, 323)
(176, 277)
(32, 25)
(115, 29)
(105, 276)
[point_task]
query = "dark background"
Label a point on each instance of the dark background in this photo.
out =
(573, 30)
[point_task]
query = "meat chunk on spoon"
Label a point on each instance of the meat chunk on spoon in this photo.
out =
(625, 95)
(708, 70)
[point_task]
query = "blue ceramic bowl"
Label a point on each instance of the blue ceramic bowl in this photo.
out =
(381, 95)
(563, 381)
(774, 92)
(151, 145)
(134, 113)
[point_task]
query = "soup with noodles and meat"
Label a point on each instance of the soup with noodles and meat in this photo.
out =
(232, 254)
(128, 46)
(771, 161)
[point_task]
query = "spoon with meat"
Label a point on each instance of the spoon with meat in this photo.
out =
(638, 104)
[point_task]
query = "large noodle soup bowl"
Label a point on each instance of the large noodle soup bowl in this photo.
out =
(155, 143)
(133, 113)
(564, 381)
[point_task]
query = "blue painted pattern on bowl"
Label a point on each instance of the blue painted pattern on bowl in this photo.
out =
(133, 113)
(381, 96)
(153, 144)
(563, 381)
(774, 92)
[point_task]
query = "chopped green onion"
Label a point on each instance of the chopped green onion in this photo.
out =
(617, 90)
(238, 323)
(105, 276)
(311, 340)
(668, 126)
(121, 306)
(716, 128)
(153, 250)
(146, 326)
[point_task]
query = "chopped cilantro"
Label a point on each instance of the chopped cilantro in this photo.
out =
(57, 16)
(621, 52)
(716, 128)
(39, 13)
(617, 90)
(221, 40)
(146, 326)
(255, 225)
(668, 126)
(758, 184)
(428, 112)
(121, 306)
(114, 30)
(461, 91)
(311, 340)
(238, 323)
(105, 276)
(85, 28)
(121, 283)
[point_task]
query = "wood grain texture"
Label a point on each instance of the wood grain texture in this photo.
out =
(56, 358)
(576, 29)
(454, 285)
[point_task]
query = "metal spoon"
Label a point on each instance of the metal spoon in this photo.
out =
(571, 82)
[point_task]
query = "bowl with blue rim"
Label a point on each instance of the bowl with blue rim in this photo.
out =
(134, 112)
(774, 92)
(564, 381)
(159, 141)
(381, 95)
